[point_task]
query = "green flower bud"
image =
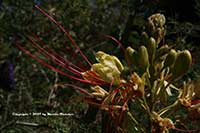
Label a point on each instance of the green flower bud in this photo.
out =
(182, 64)
(151, 47)
(129, 51)
(132, 56)
(170, 59)
(143, 59)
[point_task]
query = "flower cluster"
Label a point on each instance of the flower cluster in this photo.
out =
(151, 71)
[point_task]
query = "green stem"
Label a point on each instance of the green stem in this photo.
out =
(135, 121)
(164, 110)
(146, 105)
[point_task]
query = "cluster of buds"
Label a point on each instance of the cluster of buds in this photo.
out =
(160, 66)
(156, 26)
(177, 63)
(153, 59)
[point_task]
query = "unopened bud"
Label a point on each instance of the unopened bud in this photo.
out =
(182, 64)
(143, 59)
(132, 56)
(170, 59)
(151, 47)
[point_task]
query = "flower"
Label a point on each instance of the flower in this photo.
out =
(108, 68)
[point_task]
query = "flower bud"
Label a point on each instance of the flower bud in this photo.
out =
(157, 19)
(155, 26)
(132, 56)
(143, 59)
(151, 47)
(182, 64)
(170, 59)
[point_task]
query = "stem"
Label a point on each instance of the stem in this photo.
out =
(146, 105)
(135, 121)
(164, 110)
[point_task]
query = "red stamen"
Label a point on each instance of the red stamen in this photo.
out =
(64, 31)
(58, 55)
(94, 77)
(195, 102)
(52, 57)
(115, 40)
(52, 67)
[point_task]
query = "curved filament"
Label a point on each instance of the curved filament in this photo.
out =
(64, 31)
(52, 57)
(116, 41)
(52, 67)
(56, 54)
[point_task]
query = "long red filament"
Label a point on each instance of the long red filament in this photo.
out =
(59, 62)
(53, 58)
(56, 54)
(64, 31)
(73, 70)
(115, 40)
(195, 102)
(93, 75)
(52, 67)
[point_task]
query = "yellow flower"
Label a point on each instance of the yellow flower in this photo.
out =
(108, 69)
